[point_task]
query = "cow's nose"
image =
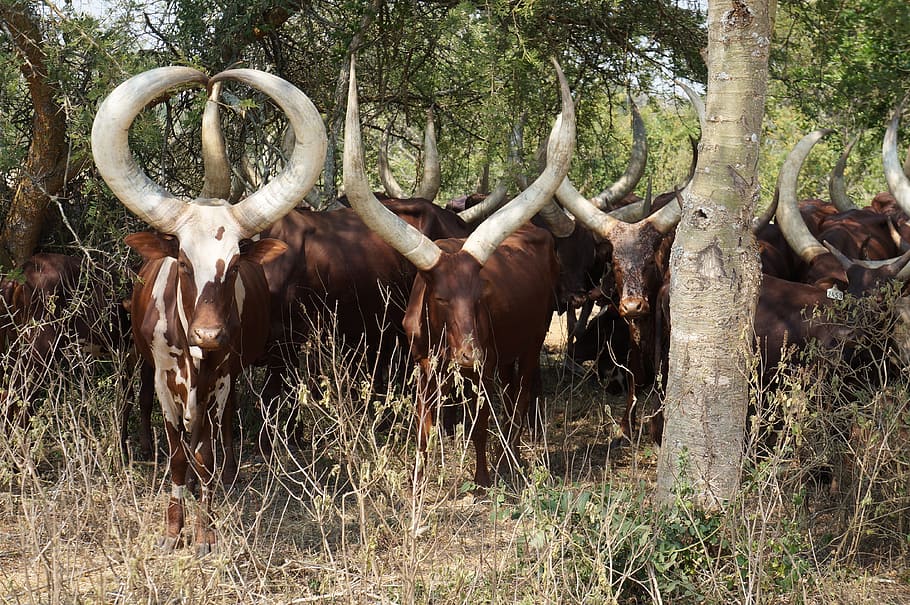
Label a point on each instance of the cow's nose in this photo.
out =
(464, 359)
(633, 307)
(466, 356)
(206, 337)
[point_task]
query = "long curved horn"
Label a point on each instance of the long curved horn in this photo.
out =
(646, 209)
(583, 210)
(484, 240)
(760, 222)
(666, 219)
(635, 169)
(411, 243)
(790, 220)
(304, 166)
(217, 167)
(898, 182)
(488, 206)
(697, 103)
(497, 198)
(110, 146)
(389, 183)
(430, 181)
(837, 190)
(846, 262)
(429, 184)
(558, 222)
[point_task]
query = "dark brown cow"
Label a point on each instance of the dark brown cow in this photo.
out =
(200, 308)
(639, 256)
(636, 242)
(785, 314)
(337, 272)
(50, 305)
(482, 303)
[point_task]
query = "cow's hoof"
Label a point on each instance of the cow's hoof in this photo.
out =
(619, 443)
(168, 544)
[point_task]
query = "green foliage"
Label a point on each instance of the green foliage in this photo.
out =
(842, 60)
(618, 548)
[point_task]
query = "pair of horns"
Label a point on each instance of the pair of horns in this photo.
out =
(413, 244)
(166, 212)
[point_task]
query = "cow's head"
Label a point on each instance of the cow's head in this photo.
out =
(632, 245)
(448, 296)
(206, 234)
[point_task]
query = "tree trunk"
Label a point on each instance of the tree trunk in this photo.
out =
(45, 167)
(715, 268)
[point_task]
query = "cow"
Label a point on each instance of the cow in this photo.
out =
(49, 305)
(482, 303)
(639, 256)
(787, 310)
(200, 305)
(338, 272)
(635, 238)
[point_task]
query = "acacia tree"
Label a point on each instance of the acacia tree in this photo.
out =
(715, 265)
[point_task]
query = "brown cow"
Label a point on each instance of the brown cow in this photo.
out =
(200, 308)
(338, 272)
(52, 303)
(483, 303)
(785, 314)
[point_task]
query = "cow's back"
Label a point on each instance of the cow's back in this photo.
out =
(525, 272)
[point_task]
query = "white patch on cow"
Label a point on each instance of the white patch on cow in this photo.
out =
(208, 237)
(196, 352)
(239, 295)
(222, 389)
(178, 491)
(168, 358)
(165, 355)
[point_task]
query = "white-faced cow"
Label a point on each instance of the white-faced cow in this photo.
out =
(200, 305)
(482, 303)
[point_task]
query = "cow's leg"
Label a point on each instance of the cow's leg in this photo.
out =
(174, 517)
(146, 404)
(204, 465)
(479, 423)
(628, 415)
(225, 419)
(524, 387)
(272, 391)
(428, 397)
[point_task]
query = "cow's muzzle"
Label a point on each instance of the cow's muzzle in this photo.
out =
(208, 338)
(634, 307)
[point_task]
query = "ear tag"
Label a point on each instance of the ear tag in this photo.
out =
(835, 294)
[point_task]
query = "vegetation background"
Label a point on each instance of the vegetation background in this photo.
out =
(333, 520)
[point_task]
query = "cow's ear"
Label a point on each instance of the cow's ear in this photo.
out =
(265, 250)
(414, 317)
(152, 246)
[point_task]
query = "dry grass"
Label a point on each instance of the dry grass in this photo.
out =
(332, 518)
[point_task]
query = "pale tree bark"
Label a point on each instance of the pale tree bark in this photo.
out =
(715, 268)
(43, 175)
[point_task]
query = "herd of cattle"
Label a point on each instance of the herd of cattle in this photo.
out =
(225, 286)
